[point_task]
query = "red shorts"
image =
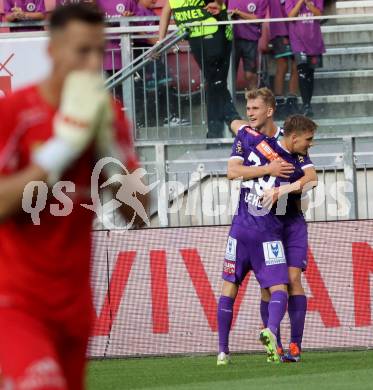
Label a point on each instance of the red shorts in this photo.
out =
(35, 357)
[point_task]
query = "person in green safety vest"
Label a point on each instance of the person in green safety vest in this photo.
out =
(211, 47)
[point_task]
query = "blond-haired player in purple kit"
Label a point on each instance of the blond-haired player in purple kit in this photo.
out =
(298, 139)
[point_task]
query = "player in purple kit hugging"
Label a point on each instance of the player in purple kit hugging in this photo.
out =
(246, 36)
(307, 45)
(279, 38)
(24, 11)
(260, 105)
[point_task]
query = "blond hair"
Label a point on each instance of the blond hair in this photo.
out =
(265, 94)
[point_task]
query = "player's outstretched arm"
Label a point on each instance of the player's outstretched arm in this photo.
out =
(305, 183)
(277, 168)
(74, 128)
(237, 124)
(12, 188)
(309, 180)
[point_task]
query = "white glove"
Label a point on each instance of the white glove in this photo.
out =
(105, 142)
(75, 124)
(105, 139)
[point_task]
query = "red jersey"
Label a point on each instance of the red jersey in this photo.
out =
(45, 268)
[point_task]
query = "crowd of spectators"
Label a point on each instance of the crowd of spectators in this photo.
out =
(296, 46)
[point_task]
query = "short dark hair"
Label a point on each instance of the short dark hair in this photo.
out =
(298, 124)
(81, 12)
(265, 94)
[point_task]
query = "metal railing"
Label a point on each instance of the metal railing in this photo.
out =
(173, 85)
(178, 154)
(193, 189)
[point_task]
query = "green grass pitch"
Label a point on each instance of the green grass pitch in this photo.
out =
(351, 370)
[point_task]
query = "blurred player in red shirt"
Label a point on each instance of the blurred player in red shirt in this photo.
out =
(50, 132)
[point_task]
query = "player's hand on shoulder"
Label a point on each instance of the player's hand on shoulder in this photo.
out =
(237, 124)
(279, 168)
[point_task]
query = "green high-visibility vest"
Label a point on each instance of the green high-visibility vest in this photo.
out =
(189, 11)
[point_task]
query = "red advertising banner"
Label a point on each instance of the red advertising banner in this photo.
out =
(5, 85)
(156, 291)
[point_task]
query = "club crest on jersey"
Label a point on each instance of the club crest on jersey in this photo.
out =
(275, 249)
(120, 8)
(30, 7)
(239, 147)
(251, 7)
(300, 158)
(230, 252)
(273, 252)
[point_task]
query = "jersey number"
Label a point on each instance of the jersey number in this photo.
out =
(259, 184)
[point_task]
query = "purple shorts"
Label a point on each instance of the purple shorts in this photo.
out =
(295, 239)
(251, 249)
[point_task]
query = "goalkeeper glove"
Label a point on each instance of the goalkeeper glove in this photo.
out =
(75, 124)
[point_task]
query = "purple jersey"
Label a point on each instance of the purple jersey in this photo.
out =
(305, 35)
(256, 149)
(249, 31)
(277, 10)
(26, 6)
(114, 9)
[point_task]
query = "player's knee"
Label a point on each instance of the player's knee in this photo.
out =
(295, 281)
(295, 276)
(229, 289)
(278, 287)
(265, 294)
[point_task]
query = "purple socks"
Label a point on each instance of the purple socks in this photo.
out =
(264, 312)
(276, 310)
(297, 313)
(264, 315)
(225, 316)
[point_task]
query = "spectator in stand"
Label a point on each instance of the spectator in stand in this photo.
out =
(24, 11)
(154, 77)
(307, 45)
(279, 38)
(211, 47)
(247, 35)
